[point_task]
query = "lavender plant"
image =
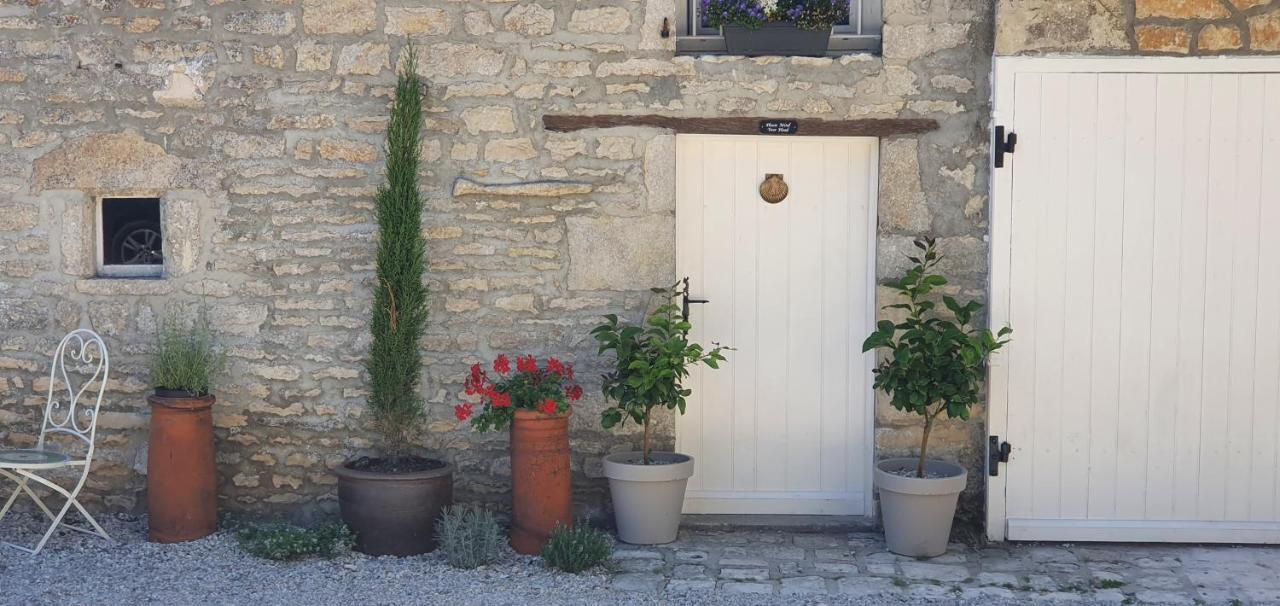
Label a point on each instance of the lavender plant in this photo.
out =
(469, 536)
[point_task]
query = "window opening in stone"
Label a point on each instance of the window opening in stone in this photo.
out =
(132, 236)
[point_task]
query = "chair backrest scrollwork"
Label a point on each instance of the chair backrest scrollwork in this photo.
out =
(69, 414)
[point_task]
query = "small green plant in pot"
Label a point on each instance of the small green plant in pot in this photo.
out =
(652, 360)
(934, 365)
(182, 495)
(391, 501)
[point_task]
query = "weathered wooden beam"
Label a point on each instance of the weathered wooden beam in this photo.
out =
(870, 127)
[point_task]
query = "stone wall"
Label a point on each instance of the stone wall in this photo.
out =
(260, 122)
(1158, 27)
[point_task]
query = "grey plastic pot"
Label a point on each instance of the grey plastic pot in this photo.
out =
(917, 512)
(648, 499)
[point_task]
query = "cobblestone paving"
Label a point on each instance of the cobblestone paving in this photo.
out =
(858, 565)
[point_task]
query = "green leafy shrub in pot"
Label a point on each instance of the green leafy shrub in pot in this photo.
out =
(936, 360)
(469, 536)
(577, 548)
(185, 359)
(651, 361)
(288, 542)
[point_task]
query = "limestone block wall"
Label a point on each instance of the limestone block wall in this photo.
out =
(1156, 27)
(260, 123)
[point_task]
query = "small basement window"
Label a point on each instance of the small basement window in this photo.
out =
(860, 32)
(132, 239)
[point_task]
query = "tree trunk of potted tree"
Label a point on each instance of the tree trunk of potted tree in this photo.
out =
(182, 486)
(918, 496)
(651, 362)
(392, 502)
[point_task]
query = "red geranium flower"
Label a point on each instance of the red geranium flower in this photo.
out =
(500, 400)
(502, 365)
(527, 364)
(555, 366)
(549, 407)
(574, 392)
(568, 371)
(462, 411)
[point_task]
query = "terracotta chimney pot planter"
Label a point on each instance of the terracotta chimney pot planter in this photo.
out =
(541, 480)
(182, 482)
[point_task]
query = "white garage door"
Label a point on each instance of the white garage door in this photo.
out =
(1136, 254)
(783, 426)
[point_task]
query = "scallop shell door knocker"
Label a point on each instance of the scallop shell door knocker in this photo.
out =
(774, 189)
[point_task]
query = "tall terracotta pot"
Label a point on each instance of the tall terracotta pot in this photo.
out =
(182, 485)
(541, 481)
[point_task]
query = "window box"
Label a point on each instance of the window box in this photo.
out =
(776, 39)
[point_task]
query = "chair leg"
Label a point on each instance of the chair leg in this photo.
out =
(23, 486)
(92, 522)
(57, 520)
(20, 484)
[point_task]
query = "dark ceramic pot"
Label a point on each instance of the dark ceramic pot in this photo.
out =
(775, 39)
(394, 513)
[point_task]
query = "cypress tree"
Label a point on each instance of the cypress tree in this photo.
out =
(399, 298)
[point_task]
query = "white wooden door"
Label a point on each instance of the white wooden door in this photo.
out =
(784, 425)
(1136, 255)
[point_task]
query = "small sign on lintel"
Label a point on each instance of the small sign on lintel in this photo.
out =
(779, 127)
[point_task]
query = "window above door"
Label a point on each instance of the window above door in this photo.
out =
(861, 32)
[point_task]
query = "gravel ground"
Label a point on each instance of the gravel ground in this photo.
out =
(79, 569)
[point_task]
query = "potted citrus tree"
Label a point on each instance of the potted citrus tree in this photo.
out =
(391, 501)
(775, 27)
(535, 402)
(651, 362)
(182, 483)
(934, 366)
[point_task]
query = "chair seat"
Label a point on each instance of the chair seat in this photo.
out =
(33, 459)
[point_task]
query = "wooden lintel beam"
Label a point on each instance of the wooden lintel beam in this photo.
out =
(870, 127)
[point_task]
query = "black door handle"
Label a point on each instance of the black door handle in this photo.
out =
(687, 301)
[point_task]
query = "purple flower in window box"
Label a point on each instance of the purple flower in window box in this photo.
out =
(775, 27)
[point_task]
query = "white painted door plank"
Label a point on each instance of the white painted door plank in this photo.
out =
(1191, 300)
(1081, 183)
(1211, 492)
(1104, 382)
(1021, 355)
(1162, 379)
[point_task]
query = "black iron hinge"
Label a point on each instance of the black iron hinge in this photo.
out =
(997, 453)
(1004, 144)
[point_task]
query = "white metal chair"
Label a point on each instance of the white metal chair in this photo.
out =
(85, 350)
